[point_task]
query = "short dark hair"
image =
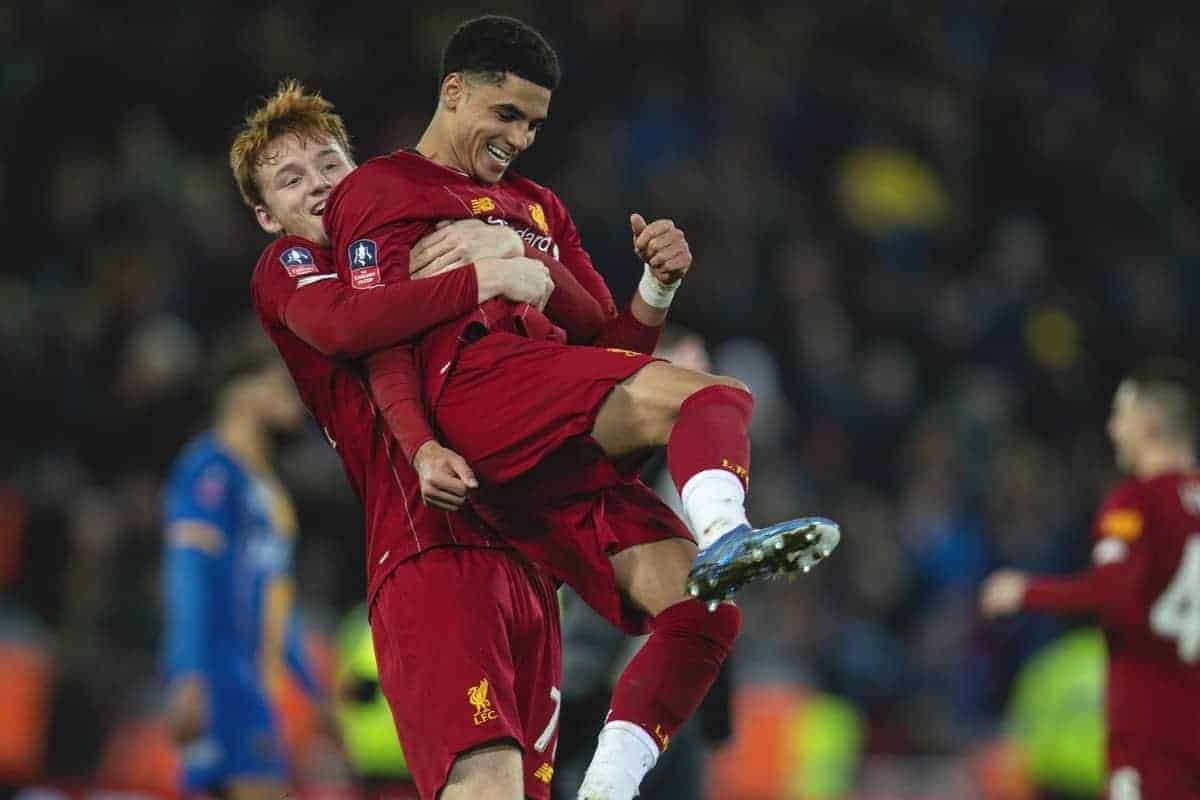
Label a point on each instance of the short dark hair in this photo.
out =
(1173, 386)
(494, 45)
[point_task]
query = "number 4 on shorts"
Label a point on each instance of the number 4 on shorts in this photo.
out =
(1176, 615)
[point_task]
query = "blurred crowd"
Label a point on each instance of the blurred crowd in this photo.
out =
(930, 236)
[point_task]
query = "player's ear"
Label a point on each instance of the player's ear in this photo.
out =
(266, 220)
(454, 89)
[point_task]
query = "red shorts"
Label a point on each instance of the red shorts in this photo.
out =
(470, 652)
(574, 540)
(511, 404)
(1142, 773)
(519, 411)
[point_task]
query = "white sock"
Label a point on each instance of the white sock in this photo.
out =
(715, 502)
(624, 754)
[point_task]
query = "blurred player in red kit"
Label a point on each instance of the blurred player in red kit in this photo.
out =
(1144, 585)
(553, 430)
(466, 630)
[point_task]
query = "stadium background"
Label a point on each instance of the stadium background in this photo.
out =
(930, 236)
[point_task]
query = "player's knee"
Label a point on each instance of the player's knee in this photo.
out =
(652, 417)
(492, 772)
(724, 624)
(653, 575)
(721, 627)
(720, 389)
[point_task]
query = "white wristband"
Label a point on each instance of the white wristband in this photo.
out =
(656, 293)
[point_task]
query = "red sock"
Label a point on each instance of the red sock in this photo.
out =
(712, 432)
(665, 682)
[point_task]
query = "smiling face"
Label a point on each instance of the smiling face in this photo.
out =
(489, 124)
(296, 175)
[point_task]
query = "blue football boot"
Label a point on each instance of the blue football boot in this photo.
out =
(745, 554)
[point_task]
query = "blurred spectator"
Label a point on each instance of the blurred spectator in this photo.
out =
(364, 718)
(230, 627)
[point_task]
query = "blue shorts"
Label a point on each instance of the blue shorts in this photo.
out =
(243, 741)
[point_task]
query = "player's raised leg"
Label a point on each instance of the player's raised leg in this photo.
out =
(704, 422)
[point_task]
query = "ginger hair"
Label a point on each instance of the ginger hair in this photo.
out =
(291, 110)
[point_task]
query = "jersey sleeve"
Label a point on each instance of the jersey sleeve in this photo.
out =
(626, 332)
(576, 259)
(200, 517)
(1110, 588)
(342, 321)
(616, 329)
(571, 306)
(373, 224)
(396, 389)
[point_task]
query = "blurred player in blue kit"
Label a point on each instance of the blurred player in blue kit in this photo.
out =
(230, 627)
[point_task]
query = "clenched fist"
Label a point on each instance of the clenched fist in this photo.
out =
(445, 476)
(663, 246)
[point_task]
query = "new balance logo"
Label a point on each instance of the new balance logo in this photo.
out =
(544, 773)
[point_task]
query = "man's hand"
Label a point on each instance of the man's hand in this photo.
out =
(187, 709)
(663, 246)
(457, 243)
(1002, 593)
(521, 279)
(445, 476)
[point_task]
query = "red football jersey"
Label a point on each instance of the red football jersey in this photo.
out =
(292, 281)
(1145, 586)
(384, 207)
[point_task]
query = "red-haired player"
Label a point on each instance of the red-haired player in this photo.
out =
(466, 631)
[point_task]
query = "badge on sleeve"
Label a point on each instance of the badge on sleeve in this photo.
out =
(298, 261)
(1122, 523)
(364, 266)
